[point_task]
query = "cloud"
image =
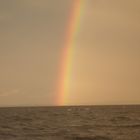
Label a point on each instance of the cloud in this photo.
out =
(10, 92)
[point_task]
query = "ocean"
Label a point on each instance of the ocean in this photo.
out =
(70, 123)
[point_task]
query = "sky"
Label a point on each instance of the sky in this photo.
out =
(105, 69)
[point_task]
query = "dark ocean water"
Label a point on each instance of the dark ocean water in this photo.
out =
(70, 123)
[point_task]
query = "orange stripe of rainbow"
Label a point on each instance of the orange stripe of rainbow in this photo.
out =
(66, 66)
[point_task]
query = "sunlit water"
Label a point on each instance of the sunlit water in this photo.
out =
(70, 123)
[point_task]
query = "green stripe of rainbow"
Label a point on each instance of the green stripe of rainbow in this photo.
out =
(67, 56)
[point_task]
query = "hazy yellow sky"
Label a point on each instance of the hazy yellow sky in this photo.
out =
(106, 62)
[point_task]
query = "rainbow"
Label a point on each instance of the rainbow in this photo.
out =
(69, 47)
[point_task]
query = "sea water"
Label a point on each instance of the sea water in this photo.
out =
(70, 123)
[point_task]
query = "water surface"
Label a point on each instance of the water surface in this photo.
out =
(70, 123)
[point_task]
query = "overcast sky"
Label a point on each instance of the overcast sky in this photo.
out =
(106, 61)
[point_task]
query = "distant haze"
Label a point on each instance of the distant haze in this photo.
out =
(106, 61)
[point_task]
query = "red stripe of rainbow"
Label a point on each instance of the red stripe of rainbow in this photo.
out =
(67, 56)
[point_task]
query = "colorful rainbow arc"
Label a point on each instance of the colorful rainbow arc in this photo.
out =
(67, 56)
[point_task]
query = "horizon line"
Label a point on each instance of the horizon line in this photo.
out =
(80, 105)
